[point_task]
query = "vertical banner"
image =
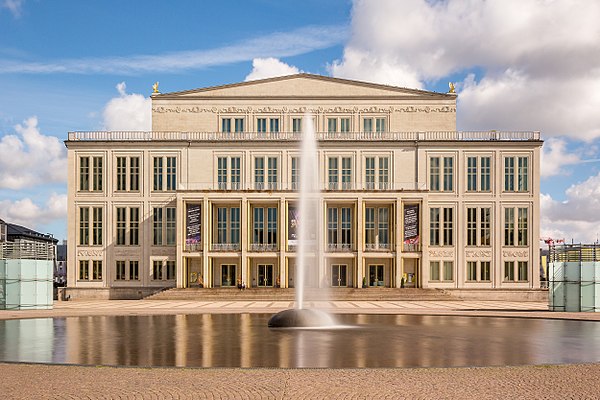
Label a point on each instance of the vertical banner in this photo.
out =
(293, 220)
(192, 225)
(411, 224)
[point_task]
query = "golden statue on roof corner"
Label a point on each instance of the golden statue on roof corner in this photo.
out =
(451, 85)
(155, 87)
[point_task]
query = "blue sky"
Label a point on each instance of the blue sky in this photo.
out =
(518, 65)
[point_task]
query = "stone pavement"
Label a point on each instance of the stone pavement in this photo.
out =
(32, 381)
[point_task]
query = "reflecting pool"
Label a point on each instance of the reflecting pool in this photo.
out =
(244, 340)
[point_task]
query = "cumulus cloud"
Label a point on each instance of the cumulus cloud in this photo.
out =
(128, 112)
(555, 157)
(26, 212)
(30, 158)
(268, 68)
(14, 6)
(538, 61)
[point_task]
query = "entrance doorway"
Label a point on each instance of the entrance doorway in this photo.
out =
(339, 275)
(228, 275)
(410, 266)
(376, 277)
(265, 275)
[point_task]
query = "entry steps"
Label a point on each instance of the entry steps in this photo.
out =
(310, 294)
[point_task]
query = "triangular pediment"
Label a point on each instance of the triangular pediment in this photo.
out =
(301, 86)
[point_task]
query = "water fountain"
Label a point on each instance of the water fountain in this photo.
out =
(310, 198)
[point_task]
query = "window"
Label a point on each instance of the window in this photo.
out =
(226, 125)
(164, 228)
(239, 125)
(134, 270)
(261, 125)
(121, 227)
(295, 171)
(273, 125)
(521, 231)
(377, 228)
(446, 274)
(345, 125)
(227, 228)
(264, 236)
(121, 173)
(84, 226)
(334, 173)
(134, 226)
(228, 173)
(522, 267)
(84, 270)
(157, 270)
(331, 125)
(509, 270)
(96, 226)
(368, 125)
(272, 173)
(222, 172)
(370, 173)
(339, 228)
(163, 175)
(516, 269)
(259, 173)
(96, 173)
(377, 171)
(124, 274)
(125, 224)
(478, 174)
(378, 123)
(516, 174)
(296, 125)
(441, 171)
(97, 270)
(441, 231)
(384, 164)
(478, 271)
(236, 173)
(170, 270)
(120, 270)
(478, 226)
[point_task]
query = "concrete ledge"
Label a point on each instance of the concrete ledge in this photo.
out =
(499, 294)
(122, 293)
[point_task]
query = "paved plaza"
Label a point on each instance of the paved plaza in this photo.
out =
(31, 381)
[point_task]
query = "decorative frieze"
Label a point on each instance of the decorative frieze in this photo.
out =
(441, 253)
(478, 253)
(515, 253)
(426, 109)
(301, 110)
(89, 253)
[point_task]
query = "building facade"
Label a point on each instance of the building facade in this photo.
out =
(209, 196)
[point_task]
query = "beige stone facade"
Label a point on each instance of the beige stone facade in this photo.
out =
(209, 195)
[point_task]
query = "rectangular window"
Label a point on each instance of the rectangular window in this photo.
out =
(471, 226)
(222, 173)
(296, 125)
(509, 174)
(485, 226)
(516, 174)
(171, 228)
(236, 173)
(170, 270)
(339, 228)
(332, 227)
(120, 270)
(259, 225)
(84, 173)
(157, 226)
(121, 226)
(333, 174)
(134, 270)
(370, 239)
(84, 270)
(383, 228)
(346, 228)
(485, 270)
(272, 173)
(265, 230)
(97, 173)
(221, 225)
(226, 125)
(346, 173)
(368, 125)
(509, 270)
(274, 125)
(471, 174)
(523, 173)
(157, 270)
(234, 237)
(261, 125)
(97, 226)
(509, 226)
(84, 226)
(384, 166)
(97, 270)
(434, 173)
(379, 125)
(448, 227)
(171, 173)
(158, 173)
(370, 173)
(239, 125)
(134, 226)
(295, 170)
(448, 174)
(259, 173)
(471, 270)
(434, 270)
(331, 125)
(121, 173)
(134, 174)
(522, 267)
(434, 227)
(522, 227)
(448, 270)
(485, 174)
(345, 125)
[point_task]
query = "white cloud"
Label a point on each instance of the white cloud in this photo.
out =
(30, 158)
(268, 68)
(538, 60)
(14, 6)
(555, 157)
(26, 212)
(279, 44)
(128, 112)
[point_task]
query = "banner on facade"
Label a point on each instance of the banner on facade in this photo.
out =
(192, 226)
(411, 224)
(293, 219)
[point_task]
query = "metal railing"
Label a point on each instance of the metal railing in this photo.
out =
(296, 136)
(225, 247)
(377, 246)
(263, 247)
(292, 186)
(26, 251)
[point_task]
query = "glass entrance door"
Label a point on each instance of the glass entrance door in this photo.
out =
(338, 275)
(265, 275)
(376, 275)
(228, 275)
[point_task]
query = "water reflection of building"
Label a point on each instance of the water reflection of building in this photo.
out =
(208, 197)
